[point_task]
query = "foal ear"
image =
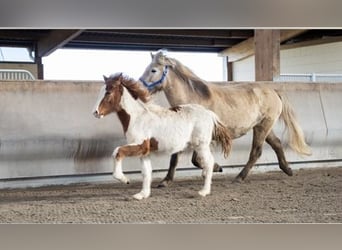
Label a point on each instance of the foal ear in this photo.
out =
(120, 75)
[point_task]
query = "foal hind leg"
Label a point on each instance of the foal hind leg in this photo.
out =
(171, 171)
(194, 160)
(275, 143)
(173, 164)
(259, 135)
(206, 159)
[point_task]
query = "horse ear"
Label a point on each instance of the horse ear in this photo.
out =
(152, 56)
(105, 78)
(169, 62)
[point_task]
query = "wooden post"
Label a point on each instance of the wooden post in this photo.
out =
(267, 54)
(40, 68)
(230, 71)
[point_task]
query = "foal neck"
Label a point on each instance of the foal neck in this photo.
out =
(130, 105)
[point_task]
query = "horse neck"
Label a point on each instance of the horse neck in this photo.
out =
(176, 91)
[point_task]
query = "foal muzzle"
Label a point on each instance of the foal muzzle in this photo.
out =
(97, 115)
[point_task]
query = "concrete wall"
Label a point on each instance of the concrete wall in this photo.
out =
(47, 130)
(323, 58)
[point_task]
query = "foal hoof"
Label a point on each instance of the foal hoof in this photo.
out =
(203, 193)
(122, 179)
(140, 196)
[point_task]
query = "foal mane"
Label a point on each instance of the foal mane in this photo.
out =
(195, 83)
(135, 89)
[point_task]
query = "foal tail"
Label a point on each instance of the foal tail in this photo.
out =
(296, 135)
(221, 135)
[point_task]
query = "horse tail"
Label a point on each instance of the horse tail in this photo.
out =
(221, 135)
(295, 133)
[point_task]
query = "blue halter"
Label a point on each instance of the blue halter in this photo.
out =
(151, 85)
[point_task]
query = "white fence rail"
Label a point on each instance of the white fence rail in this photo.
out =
(15, 74)
(314, 77)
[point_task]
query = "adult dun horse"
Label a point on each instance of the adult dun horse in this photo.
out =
(241, 107)
(147, 128)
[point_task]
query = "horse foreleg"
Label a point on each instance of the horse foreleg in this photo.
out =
(128, 150)
(171, 171)
(259, 135)
(275, 143)
(147, 179)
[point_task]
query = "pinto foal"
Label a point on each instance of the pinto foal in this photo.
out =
(148, 129)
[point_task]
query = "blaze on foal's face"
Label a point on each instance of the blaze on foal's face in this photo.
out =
(111, 97)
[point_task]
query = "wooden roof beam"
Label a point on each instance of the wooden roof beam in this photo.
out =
(246, 48)
(55, 40)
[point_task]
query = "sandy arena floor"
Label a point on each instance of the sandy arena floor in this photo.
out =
(310, 196)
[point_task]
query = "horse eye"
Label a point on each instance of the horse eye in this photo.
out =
(107, 93)
(153, 70)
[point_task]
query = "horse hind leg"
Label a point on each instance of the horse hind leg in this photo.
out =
(275, 143)
(171, 171)
(195, 162)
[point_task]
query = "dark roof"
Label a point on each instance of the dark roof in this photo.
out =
(45, 41)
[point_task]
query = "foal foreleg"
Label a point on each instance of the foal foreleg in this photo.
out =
(128, 150)
(147, 179)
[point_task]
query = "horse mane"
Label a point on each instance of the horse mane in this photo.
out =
(195, 83)
(134, 87)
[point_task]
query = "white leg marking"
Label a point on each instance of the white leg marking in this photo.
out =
(208, 165)
(117, 168)
(147, 179)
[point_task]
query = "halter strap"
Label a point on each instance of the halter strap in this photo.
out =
(151, 85)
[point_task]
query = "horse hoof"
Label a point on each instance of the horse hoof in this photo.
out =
(217, 168)
(288, 171)
(237, 180)
(164, 184)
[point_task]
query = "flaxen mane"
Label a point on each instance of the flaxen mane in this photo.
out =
(195, 84)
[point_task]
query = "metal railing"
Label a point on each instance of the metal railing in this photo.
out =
(314, 77)
(15, 74)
